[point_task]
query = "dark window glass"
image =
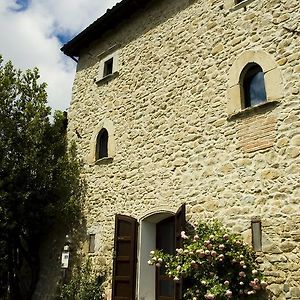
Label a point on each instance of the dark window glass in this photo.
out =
(108, 67)
(102, 144)
(254, 86)
(165, 240)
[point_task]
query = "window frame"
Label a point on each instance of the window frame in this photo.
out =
(92, 242)
(256, 233)
(272, 78)
(111, 144)
(112, 54)
(147, 241)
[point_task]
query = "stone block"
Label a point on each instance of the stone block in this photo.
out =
(234, 104)
(295, 292)
(273, 83)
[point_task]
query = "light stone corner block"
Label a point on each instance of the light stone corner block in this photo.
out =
(228, 4)
(234, 100)
(273, 83)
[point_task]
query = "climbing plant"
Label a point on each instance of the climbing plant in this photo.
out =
(213, 264)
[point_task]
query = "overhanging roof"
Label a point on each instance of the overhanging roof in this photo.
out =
(109, 20)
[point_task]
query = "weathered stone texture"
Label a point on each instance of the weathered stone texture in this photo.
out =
(174, 142)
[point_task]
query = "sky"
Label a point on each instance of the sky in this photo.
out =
(33, 31)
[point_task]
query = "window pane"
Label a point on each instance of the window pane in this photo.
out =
(102, 144)
(257, 89)
(166, 236)
(254, 86)
(108, 67)
(166, 288)
(165, 240)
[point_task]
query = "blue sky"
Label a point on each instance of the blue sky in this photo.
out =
(33, 31)
(22, 5)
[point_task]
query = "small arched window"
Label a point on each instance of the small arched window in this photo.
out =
(252, 84)
(102, 144)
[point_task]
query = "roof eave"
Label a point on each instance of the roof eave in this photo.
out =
(110, 19)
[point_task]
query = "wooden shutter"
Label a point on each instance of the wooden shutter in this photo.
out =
(124, 263)
(179, 226)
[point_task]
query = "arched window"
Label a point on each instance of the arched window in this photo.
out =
(102, 144)
(252, 83)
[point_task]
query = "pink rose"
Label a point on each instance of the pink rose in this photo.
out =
(228, 294)
(183, 235)
(242, 274)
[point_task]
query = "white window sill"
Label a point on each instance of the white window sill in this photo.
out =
(101, 80)
(103, 160)
(241, 5)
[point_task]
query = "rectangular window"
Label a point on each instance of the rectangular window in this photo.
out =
(256, 235)
(91, 243)
(108, 67)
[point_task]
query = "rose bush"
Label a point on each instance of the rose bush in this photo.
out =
(214, 265)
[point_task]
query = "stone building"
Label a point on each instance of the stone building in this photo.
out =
(190, 102)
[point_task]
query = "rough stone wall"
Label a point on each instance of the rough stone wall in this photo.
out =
(174, 141)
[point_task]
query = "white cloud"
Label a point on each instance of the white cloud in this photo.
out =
(29, 38)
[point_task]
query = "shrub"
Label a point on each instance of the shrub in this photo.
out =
(84, 285)
(214, 264)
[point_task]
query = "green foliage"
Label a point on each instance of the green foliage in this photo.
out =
(214, 264)
(39, 176)
(84, 285)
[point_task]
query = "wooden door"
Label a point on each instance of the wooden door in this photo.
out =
(124, 263)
